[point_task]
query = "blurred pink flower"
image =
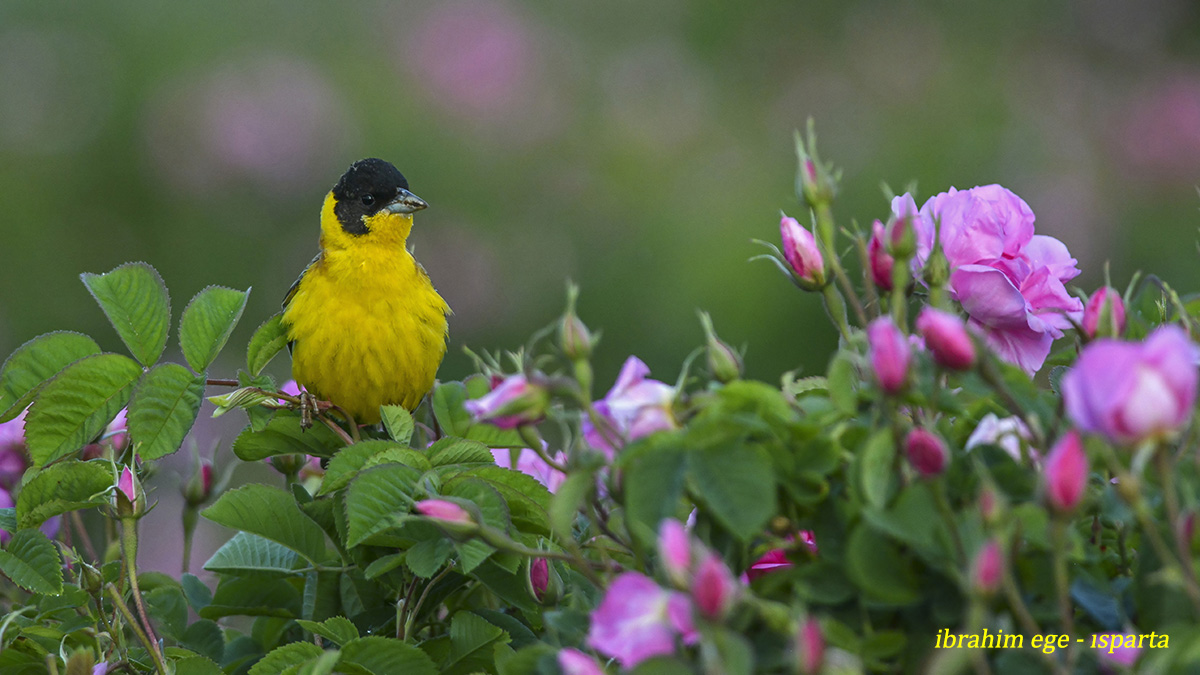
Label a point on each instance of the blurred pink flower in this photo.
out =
(442, 509)
(1116, 651)
(1105, 300)
(1129, 392)
(12, 451)
(881, 261)
(987, 568)
(810, 647)
(926, 452)
(539, 577)
(637, 619)
(801, 252)
(1065, 473)
(713, 587)
(675, 551)
(890, 354)
(575, 662)
(1008, 279)
(1008, 434)
(511, 403)
(776, 559)
(529, 462)
(947, 338)
(634, 407)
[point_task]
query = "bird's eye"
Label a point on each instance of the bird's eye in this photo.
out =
(368, 200)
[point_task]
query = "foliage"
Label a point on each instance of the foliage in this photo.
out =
(443, 542)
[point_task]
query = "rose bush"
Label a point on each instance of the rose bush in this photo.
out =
(952, 469)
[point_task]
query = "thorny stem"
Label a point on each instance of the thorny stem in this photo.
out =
(123, 609)
(129, 547)
(825, 225)
(412, 615)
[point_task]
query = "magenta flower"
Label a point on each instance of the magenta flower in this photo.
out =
(1105, 303)
(801, 252)
(926, 452)
(713, 587)
(636, 406)
(1129, 392)
(810, 647)
(776, 559)
(987, 569)
(675, 550)
(12, 451)
(1010, 281)
(513, 402)
(539, 577)
(575, 662)
(1065, 473)
(946, 338)
(638, 619)
(1119, 648)
(128, 485)
(442, 509)
(529, 462)
(890, 354)
(129, 499)
(115, 433)
(881, 261)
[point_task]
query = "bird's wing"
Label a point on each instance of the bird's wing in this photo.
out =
(291, 293)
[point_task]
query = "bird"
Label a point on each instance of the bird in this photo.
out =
(364, 323)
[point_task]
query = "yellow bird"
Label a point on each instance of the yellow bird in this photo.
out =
(366, 325)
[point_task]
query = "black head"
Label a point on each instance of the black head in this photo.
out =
(368, 187)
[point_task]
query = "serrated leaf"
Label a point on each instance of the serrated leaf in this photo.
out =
(338, 629)
(378, 498)
(197, 665)
(198, 595)
(653, 470)
(31, 561)
(268, 340)
(283, 436)
(427, 556)
(66, 486)
(169, 608)
(271, 514)
(280, 658)
(527, 498)
(35, 362)
(253, 596)
(736, 481)
(74, 407)
(451, 450)
(136, 303)
(349, 461)
(469, 648)
(163, 409)
(250, 553)
(398, 422)
(207, 323)
(8, 519)
(380, 655)
(876, 464)
(840, 381)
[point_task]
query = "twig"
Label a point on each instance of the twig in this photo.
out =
(121, 607)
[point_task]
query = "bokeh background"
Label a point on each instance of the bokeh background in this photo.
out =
(633, 147)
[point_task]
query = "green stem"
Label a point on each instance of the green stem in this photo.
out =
(835, 306)
(412, 614)
(943, 507)
(1062, 583)
(121, 607)
(129, 548)
(190, 518)
(1163, 461)
(500, 541)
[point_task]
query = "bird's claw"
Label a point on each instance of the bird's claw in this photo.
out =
(308, 405)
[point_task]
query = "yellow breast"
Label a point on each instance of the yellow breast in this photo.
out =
(369, 329)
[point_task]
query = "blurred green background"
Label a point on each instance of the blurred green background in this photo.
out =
(633, 147)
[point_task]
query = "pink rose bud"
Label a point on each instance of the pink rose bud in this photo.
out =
(810, 647)
(713, 587)
(1130, 392)
(129, 500)
(539, 577)
(926, 452)
(881, 261)
(800, 250)
(515, 401)
(199, 488)
(1104, 314)
(991, 505)
(442, 509)
(1065, 473)
(675, 551)
(724, 362)
(987, 569)
(573, 335)
(947, 339)
(575, 662)
(890, 354)
(902, 239)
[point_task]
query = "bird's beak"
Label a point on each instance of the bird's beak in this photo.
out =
(405, 202)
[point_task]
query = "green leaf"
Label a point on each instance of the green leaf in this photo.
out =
(135, 301)
(734, 654)
(35, 362)
(378, 498)
(8, 519)
(197, 665)
(169, 609)
(281, 658)
(840, 380)
(338, 629)
(74, 407)
(737, 483)
(470, 645)
(66, 486)
(198, 595)
(31, 561)
(272, 514)
(384, 656)
(246, 553)
(398, 422)
(568, 500)
(163, 409)
(283, 436)
(349, 461)
(880, 568)
(253, 596)
(268, 340)
(427, 556)
(653, 477)
(448, 400)
(876, 464)
(207, 322)
(451, 450)
(527, 498)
